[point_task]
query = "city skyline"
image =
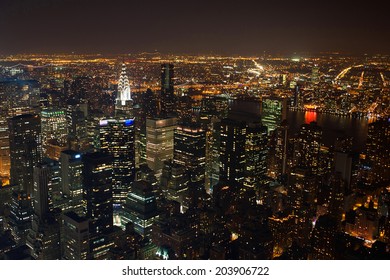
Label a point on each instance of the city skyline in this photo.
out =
(202, 27)
(196, 130)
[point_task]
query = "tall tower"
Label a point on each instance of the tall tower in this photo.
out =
(21, 213)
(4, 151)
(323, 239)
(243, 149)
(273, 112)
(76, 116)
(307, 147)
(25, 149)
(46, 184)
(117, 139)
(54, 132)
(281, 149)
(232, 150)
(97, 181)
(75, 236)
(71, 167)
(140, 208)
(302, 190)
(159, 143)
(190, 151)
(167, 100)
(377, 153)
(124, 92)
(256, 151)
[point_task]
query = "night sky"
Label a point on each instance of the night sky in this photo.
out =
(201, 27)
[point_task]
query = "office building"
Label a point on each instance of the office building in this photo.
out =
(117, 139)
(75, 236)
(54, 129)
(5, 163)
(97, 182)
(190, 151)
(47, 184)
(307, 147)
(71, 167)
(377, 161)
(76, 117)
(21, 212)
(273, 112)
(159, 143)
(167, 97)
(175, 185)
(243, 149)
(256, 151)
(140, 208)
(323, 239)
(25, 149)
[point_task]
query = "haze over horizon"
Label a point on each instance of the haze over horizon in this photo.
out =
(243, 28)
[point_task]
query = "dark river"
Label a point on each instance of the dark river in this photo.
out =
(333, 125)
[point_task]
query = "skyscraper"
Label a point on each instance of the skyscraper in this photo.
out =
(307, 147)
(124, 92)
(117, 139)
(71, 167)
(273, 112)
(232, 150)
(167, 98)
(377, 160)
(54, 130)
(256, 151)
(175, 183)
(302, 194)
(140, 208)
(243, 148)
(281, 142)
(47, 181)
(25, 149)
(97, 181)
(44, 237)
(190, 151)
(76, 116)
(159, 142)
(323, 239)
(4, 151)
(21, 213)
(75, 236)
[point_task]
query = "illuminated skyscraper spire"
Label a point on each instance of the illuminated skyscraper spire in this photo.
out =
(124, 93)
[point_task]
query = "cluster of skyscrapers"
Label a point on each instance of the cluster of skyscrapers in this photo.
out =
(159, 179)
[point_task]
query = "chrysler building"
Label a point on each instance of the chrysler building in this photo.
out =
(124, 93)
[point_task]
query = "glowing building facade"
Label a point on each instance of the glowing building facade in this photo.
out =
(124, 92)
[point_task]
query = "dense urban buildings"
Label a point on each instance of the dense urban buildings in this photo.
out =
(153, 156)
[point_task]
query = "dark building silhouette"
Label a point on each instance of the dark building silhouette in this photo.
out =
(323, 244)
(21, 212)
(97, 181)
(307, 147)
(167, 97)
(243, 151)
(190, 151)
(25, 149)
